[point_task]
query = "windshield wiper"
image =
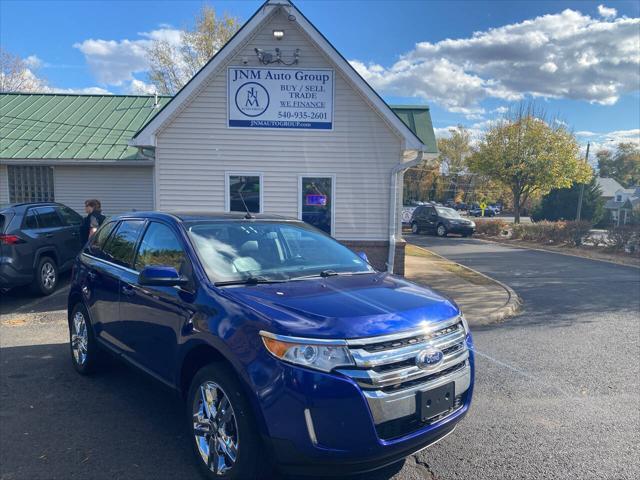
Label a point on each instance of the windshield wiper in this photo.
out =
(328, 273)
(250, 280)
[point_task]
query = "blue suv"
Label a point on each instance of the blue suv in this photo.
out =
(289, 349)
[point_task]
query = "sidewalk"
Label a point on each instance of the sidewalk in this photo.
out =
(482, 299)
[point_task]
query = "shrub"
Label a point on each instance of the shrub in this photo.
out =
(624, 237)
(491, 228)
(552, 232)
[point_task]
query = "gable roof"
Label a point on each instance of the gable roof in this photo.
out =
(72, 127)
(146, 135)
(418, 119)
(608, 186)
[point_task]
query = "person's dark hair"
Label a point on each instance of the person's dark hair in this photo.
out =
(93, 203)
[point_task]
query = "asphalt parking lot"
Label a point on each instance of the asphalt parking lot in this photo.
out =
(557, 391)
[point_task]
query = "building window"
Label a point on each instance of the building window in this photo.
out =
(30, 184)
(618, 198)
(243, 189)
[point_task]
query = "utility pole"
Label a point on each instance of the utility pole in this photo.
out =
(579, 212)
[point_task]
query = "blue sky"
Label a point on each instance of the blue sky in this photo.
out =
(580, 60)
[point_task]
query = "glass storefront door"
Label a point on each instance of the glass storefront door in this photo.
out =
(316, 202)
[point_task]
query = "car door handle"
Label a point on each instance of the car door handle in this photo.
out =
(92, 276)
(75, 234)
(48, 235)
(127, 290)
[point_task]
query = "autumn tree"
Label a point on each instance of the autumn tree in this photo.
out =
(623, 164)
(171, 66)
(529, 155)
(16, 76)
(454, 152)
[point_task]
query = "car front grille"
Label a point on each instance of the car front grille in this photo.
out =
(386, 371)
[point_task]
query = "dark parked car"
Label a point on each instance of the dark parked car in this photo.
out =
(477, 212)
(38, 241)
(287, 347)
(440, 221)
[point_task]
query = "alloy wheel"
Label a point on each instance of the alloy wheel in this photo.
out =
(79, 338)
(48, 275)
(441, 231)
(414, 228)
(215, 428)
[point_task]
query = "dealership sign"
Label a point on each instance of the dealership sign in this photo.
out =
(280, 98)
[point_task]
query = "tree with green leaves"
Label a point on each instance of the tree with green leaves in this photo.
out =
(560, 204)
(529, 155)
(623, 164)
(172, 66)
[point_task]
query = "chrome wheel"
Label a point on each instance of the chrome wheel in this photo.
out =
(48, 275)
(215, 428)
(414, 228)
(79, 338)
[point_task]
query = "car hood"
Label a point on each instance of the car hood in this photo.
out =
(344, 306)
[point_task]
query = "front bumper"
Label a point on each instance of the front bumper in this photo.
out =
(326, 423)
(461, 229)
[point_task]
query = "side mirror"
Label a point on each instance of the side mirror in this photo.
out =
(363, 256)
(158, 276)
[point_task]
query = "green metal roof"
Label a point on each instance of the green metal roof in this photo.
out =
(418, 119)
(98, 127)
(58, 126)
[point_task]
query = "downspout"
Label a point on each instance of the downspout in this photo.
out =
(393, 208)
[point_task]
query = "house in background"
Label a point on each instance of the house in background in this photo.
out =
(625, 202)
(608, 187)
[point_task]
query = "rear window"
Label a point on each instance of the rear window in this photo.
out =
(2, 218)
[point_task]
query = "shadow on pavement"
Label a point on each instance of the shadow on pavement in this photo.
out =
(55, 423)
(23, 300)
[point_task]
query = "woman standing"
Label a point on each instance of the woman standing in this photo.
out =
(93, 220)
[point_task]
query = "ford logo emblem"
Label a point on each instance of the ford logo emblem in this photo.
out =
(429, 359)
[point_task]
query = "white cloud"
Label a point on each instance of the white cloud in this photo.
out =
(138, 87)
(114, 62)
(607, 12)
(607, 140)
(563, 55)
(85, 91)
(33, 62)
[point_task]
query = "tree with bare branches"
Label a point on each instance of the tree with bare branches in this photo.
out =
(172, 66)
(16, 76)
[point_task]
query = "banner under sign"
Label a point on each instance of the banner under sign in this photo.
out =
(280, 98)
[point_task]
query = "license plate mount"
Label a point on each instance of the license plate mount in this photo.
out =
(436, 401)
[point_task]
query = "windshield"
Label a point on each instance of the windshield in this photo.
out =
(448, 212)
(236, 251)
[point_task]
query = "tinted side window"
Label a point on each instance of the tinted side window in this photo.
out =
(30, 220)
(48, 217)
(159, 246)
(69, 216)
(98, 240)
(121, 245)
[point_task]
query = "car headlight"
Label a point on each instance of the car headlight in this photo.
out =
(472, 224)
(323, 355)
(465, 324)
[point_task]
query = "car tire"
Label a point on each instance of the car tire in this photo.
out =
(46, 276)
(414, 228)
(441, 230)
(242, 456)
(86, 355)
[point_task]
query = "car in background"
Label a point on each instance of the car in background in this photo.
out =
(287, 347)
(440, 221)
(477, 212)
(38, 241)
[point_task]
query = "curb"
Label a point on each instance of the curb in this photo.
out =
(546, 250)
(512, 306)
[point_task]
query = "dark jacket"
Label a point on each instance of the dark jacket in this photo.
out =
(93, 220)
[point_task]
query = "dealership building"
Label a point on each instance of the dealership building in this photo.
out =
(277, 120)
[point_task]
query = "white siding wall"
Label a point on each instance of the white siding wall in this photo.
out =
(119, 189)
(196, 148)
(4, 185)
